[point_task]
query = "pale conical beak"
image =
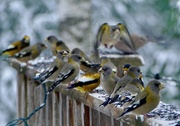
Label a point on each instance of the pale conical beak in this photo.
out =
(161, 86)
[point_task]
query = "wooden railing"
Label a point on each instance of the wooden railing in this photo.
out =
(67, 107)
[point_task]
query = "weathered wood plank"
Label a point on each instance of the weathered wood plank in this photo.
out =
(95, 117)
(64, 110)
(36, 103)
(77, 113)
(49, 111)
(19, 94)
(86, 115)
(60, 109)
(30, 101)
(56, 108)
(116, 122)
(71, 112)
(42, 112)
(22, 96)
(105, 120)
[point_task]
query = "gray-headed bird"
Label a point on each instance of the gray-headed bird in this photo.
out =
(146, 100)
(108, 79)
(105, 61)
(86, 64)
(68, 73)
(30, 53)
(57, 45)
(52, 73)
(132, 73)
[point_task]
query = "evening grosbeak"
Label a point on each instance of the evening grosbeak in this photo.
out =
(30, 53)
(88, 81)
(68, 73)
(57, 45)
(86, 63)
(133, 72)
(15, 47)
(108, 79)
(146, 100)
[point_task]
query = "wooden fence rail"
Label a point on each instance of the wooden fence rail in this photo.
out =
(67, 107)
(64, 107)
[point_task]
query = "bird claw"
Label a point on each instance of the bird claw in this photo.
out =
(105, 103)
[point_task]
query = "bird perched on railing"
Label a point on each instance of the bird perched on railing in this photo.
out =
(126, 67)
(132, 73)
(108, 79)
(129, 92)
(146, 100)
(88, 81)
(56, 45)
(52, 73)
(68, 73)
(78, 51)
(86, 63)
(105, 61)
(30, 53)
(15, 47)
(61, 53)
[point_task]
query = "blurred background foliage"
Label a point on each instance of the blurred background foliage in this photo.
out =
(77, 21)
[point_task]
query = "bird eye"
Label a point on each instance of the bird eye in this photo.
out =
(157, 84)
(42, 45)
(114, 72)
(139, 71)
(79, 57)
(105, 68)
(113, 29)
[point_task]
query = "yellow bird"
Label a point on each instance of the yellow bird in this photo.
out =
(15, 47)
(68, 73)
(132, 73)
(107, 35)
(128, 93)
(52, 73)
(30, 53)
(126, 68)
(86, 64)
(57, 45)
(145, 101)
(87, 82)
